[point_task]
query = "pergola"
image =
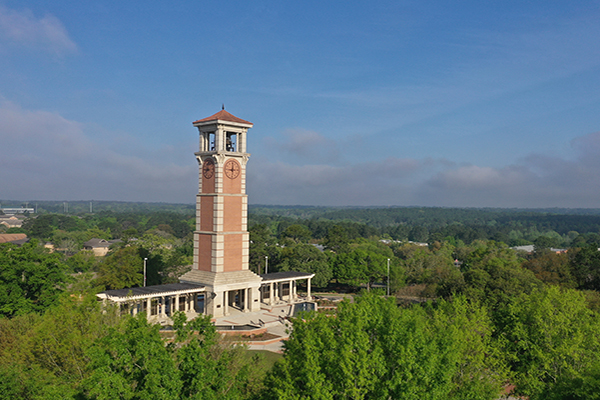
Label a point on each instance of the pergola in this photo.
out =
(159, 301)
(280, 287)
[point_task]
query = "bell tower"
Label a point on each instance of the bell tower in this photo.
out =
(221, 239)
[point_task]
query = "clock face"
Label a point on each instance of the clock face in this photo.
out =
(208, 169)
(232, 169)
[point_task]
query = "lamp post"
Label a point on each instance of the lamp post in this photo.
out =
(145, 259)
(388, 278)
(266, 264)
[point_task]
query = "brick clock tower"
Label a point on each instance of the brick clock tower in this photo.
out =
(221, 239)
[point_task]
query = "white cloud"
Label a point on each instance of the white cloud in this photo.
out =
(46, 156)
(24, 29)
(537, 180)
(50, 157)
(305, 145)
(364, 183)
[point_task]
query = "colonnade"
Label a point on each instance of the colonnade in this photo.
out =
(278, 291)
(239, 298)
(161, 307)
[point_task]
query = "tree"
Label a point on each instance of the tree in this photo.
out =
(337, 239)
(122, 269)
(550, 336)
(209, 369)
(418, 234)
(298, 233)
(366, 264)
(43, 356)
(551, 268)
(131, 363)
(82, 261)
(584, 387)
(432, 266)
(350, 268)
(546, 242)
(262, 243)
(307, 258)
(373, 349)
(493, 273)
(585, 266)
(31, 279)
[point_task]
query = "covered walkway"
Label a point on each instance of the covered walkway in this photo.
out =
(281, 287)
(159, 302)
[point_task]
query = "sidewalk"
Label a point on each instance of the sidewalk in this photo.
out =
(274, 319)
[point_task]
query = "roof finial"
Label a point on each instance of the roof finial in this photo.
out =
(223, 106)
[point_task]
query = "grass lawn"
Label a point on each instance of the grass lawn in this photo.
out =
(267, 358)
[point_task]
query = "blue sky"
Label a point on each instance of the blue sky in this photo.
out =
(427, 103)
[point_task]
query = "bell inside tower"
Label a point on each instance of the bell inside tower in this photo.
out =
(231, 141)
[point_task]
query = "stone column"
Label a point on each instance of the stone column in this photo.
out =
(226, 303)
(271, 293)
(177, 303)
(246, 292)
(135, 309)
(308, 290)
(148, 307)
(290, 290)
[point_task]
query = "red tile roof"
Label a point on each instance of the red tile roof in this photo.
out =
(9, 237)
(223, 116)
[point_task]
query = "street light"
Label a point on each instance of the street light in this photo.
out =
(266, 264)
(388, 280)
(145, 259)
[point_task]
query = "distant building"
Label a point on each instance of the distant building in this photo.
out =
(15, 238)
(11, 221)
(100, 247)
(21, 210)
(527, 248)
(531, 248)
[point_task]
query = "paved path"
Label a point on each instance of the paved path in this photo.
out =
(274, 319)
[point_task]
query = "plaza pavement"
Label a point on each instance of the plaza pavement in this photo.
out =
(273, 318)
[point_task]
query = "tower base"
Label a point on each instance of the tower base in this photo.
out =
(227, 290)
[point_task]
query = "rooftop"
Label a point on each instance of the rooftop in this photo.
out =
(150, 291)
(223, 116)
(284, 276)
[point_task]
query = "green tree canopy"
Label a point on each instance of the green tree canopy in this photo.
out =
(373, 349)
(124, 268)
(31, 279)
(307, 258)
(550, 336)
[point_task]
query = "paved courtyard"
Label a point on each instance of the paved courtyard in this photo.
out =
(274, 319)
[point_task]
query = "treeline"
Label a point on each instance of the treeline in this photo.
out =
(558, 228)
(486, 270)
(92, 206)
(115, 225)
